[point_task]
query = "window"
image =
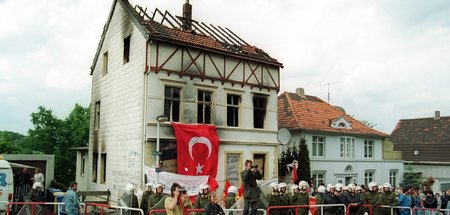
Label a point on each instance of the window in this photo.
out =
(259, 110)
(318, 145)
(233, 110)
(94, 167)
(172, 103)
(105, 63)
(204, 107)
(232, 169)
(103, 168)
(97, 116)
(126, 49)
(368, 148)
(393, 177)
(319, 178)
(368, 177)
(83, 163)
(346, 146)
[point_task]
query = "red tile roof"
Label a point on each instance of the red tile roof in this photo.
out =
(429, 136)
(313, 114)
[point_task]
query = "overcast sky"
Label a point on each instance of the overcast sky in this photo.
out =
(384, 60)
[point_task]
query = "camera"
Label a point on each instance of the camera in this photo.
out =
(255, 166)
(183, 190)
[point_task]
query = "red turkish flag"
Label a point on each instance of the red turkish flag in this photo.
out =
(197, 149)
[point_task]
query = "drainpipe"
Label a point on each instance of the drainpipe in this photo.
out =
(144, 114)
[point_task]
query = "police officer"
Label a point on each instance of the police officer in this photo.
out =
(230, 200)
(273, 198)
(301, 197)
(388, 198)
(331, 197)
(156, 196)
(371, 197)
(202, 198)
(144, 201)
(284, 198)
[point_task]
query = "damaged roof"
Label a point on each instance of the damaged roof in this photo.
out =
(182, 31)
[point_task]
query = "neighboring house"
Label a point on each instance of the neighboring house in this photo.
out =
(425, 143)
(341, 149)
(152, 64)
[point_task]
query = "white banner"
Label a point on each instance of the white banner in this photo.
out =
(189, 182)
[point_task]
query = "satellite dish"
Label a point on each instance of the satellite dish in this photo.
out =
(284, 136)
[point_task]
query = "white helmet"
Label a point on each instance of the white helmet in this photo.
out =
(129, 188)
(159, 185)
(303, 185)
(232, 189)
(281, 185)
(372, 184)
(294, 186)
(274, 185)
(345, 188)
(358, 188)
(204, 186)
(330, 186)
(321, 189)
(149, 185)
(351, 186)
(387, 185)
(37, 185)
(339, 187)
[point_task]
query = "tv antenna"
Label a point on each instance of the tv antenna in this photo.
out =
(328, 87)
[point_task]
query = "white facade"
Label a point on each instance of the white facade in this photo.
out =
(127, 97)
(349, 159)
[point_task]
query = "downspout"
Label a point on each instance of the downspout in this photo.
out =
(144, 123)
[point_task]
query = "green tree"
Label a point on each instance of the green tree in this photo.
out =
(9, 141)
(304, 164)
(51, 135)
(410, 178)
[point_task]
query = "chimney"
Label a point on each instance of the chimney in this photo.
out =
(437, 115)
(301, 92)
(187, 15)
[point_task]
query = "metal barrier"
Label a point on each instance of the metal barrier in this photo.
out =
(430, 211)
(103, 209)
(227, 211)
(33, 206)
(296, 207)
(371, 207)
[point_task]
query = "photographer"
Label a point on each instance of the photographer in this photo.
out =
(251, 190)
(178, 200)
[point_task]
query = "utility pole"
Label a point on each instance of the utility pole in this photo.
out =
(328, 86)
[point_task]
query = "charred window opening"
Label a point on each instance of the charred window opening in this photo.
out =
(233, 110)
(103, 168)
(204, 107)
(259, 111)
(97, 116)
(126, 49)
(172, 103)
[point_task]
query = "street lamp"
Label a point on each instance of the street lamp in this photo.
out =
(159, 119)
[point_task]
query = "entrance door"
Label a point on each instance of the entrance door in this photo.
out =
(348, 180)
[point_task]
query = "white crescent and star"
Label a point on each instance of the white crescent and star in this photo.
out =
(199, 140)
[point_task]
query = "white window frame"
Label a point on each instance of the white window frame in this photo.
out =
(315, 146)
(369, 149)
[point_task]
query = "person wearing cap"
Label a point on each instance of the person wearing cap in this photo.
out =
(144, 201)
(273, 198)
(155, 197)
(35, 194)
(388, 198)
(301, 198)
(230, 200)
(320, 198)
(251, 190)
(202, 198)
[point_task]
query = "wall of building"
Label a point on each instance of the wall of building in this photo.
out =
(439, 171)
(121, 96)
